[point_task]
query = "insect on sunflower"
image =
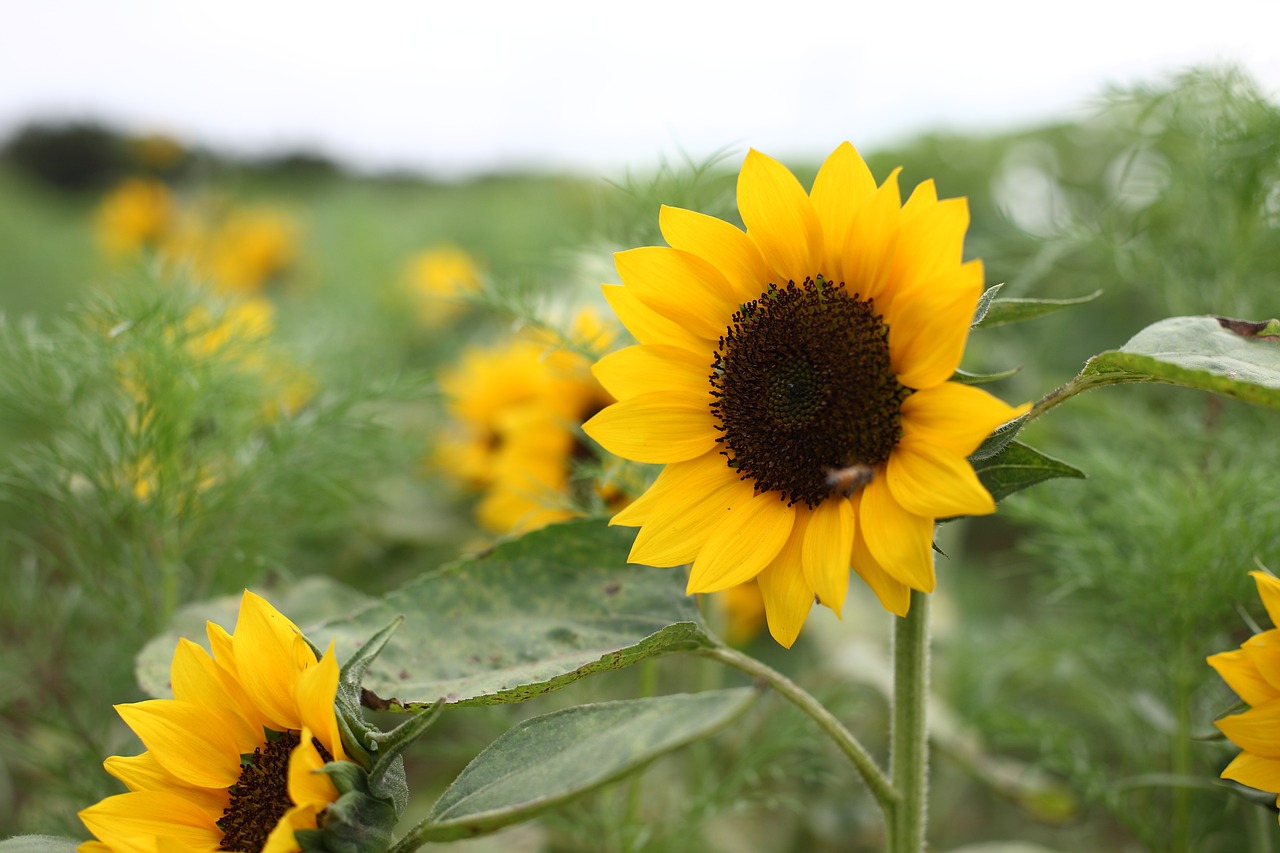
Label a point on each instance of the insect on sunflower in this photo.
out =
(233, 760)
(794, 379)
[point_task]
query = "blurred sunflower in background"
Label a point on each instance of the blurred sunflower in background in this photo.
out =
(437, 280)
(231, 760)
(138, 214)
(794, 379)
(516, 411)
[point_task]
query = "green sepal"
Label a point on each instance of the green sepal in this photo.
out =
(984, 304)
(998, 440)
(360, 739)
(967, 378)
(386, 778)
(356, 822)
(1017, 467)
(1002, 312)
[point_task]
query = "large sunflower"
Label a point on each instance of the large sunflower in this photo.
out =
(1253, 672)
(794, 380)
(231, 760)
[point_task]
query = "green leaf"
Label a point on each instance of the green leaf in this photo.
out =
(38, 844)
(1002, 312)
(982, 378)
(548, 760)
(306, 602)
(1017, 467)
(1238, 358)
(984, 304)
(998, 440)
(529, 616)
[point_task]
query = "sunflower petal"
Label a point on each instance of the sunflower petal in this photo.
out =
(152, 813)
(899, 541)
(780, 218)
(1257, 730)
(744, 541)
(929, 326)
(1269, 591)
(894, 595)
(198, 679)
(1238, 669)
(282, 839)
(646, 325)
(931, 238)
(827, 542)
(679, 528)
(637, 370)
(788, 598)
(935, 482)
(721, 244)
(193, 742)
(843, 183)
(144, 773)
(868, 249)
(317, 690)
(954, 416)
(655, 427)
(270, 672)
(1263, 651)
(681, 287)
(1256, 771)
(307, 784)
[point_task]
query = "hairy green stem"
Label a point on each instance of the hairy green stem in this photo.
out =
(873, 776)
(909, 756)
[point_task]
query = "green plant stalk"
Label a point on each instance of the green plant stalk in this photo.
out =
(909, 741)
(886, 796)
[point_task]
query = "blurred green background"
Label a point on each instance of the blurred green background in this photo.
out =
(138, 472)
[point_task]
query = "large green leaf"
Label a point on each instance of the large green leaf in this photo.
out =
(1017, 467)
(1238, 358)
(531, 615)
(38, 844)
(548, 760)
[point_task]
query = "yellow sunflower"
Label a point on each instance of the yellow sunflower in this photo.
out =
(1253, 672)
(232, 759)
(794, 380)
(139, 213)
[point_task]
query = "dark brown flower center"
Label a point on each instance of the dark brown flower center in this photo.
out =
(803, 390)
(260, 797)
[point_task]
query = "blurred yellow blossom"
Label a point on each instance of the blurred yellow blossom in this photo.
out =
(248, 249)
(137, 214)
(436, 279)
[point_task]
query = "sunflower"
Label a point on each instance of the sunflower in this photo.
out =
(1253, 672)
(793, 378)
(232, 759)
(438, 279)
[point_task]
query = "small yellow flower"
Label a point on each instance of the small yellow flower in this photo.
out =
(1253, 672)
(248, 249)
(137, 214)
(516, 411)
(794, 379)
(436, 279)
(263, 695)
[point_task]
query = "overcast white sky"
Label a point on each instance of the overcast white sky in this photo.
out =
(467, 86)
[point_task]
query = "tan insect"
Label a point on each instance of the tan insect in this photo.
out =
(849, 480)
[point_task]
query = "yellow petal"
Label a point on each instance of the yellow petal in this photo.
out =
(637, 370)
(679, 528)
(929, 326)
(152, 813)
(1257, 730)
(678, 482)
(144, 773)
(868, 250)
(930, 241)
(680, 286)
(1269, 591)
(827, 541)
(307, 784)
(899, 541)
(1242, 675)
(894, 595)
(843, 183)
(788, 598)
(193, 742)
(746, 539)
(656, 427)
(269, 670)
(317, 690)
(922, 197)
(282, 838)
(1256, 771)
(198, 679)
(721, 244)
(1263, 651)
(934, 482)
(646, 325)
(954, 416)
(780, 218)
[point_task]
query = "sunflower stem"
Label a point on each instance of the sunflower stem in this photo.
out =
(909, 742)
(873, 776)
